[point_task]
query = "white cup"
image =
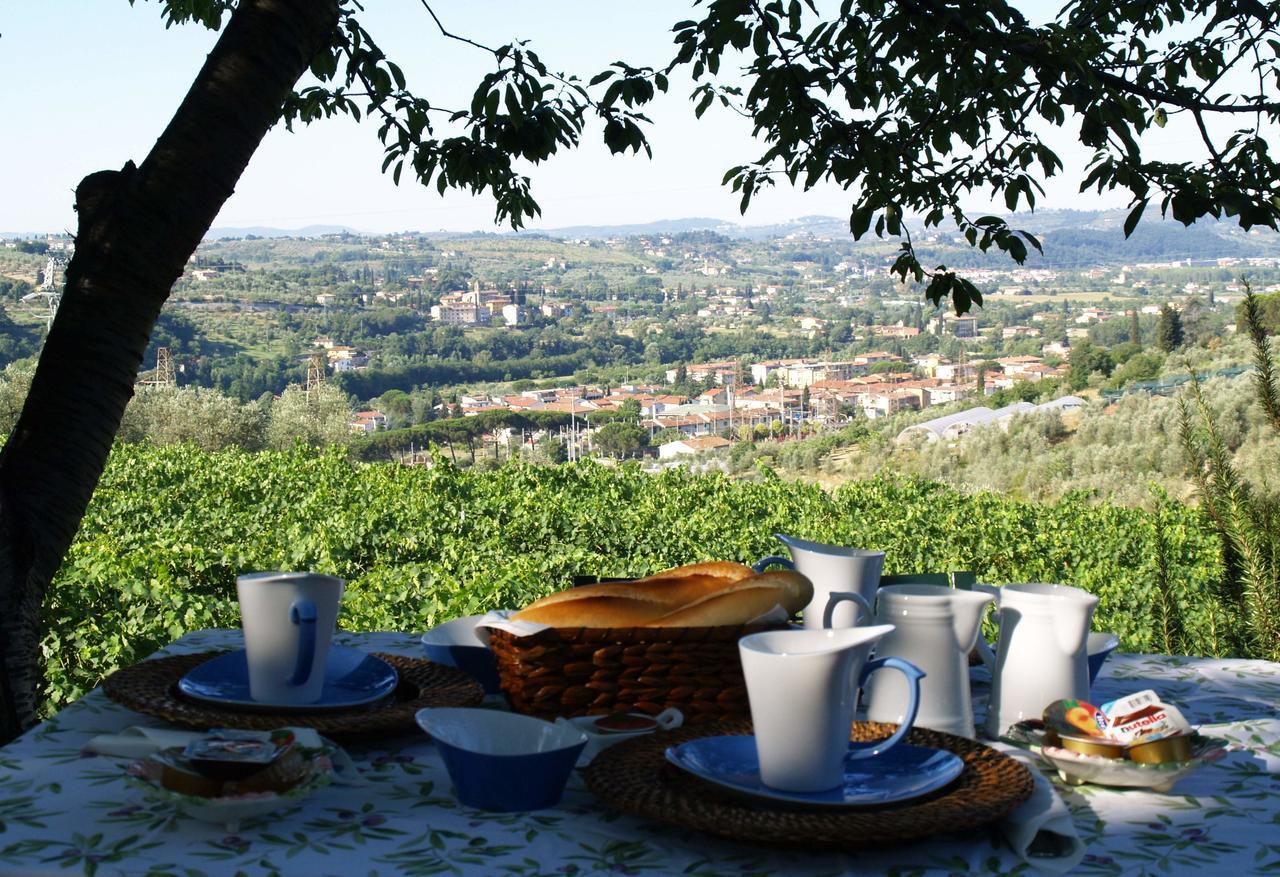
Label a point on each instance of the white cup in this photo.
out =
(802, 686)
(838, 575)
(288, 620)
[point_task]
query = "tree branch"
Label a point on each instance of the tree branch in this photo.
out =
(453, 36)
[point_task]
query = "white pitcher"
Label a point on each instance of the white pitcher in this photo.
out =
(1042, 655)
(935, 628)
(847, 574)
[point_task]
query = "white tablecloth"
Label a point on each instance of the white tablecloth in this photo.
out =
(64, 812)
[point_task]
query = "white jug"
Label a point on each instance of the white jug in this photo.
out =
(1042, 655)
(847, 574)
(935, 628)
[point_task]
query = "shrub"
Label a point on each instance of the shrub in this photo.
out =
(170, 528)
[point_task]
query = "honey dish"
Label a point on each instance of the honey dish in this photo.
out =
(205, 788)
(1191, 752)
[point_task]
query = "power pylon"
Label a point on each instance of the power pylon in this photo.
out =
(315, 373)
(163, 375)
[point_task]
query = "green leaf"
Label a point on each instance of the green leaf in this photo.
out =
(1131, 221)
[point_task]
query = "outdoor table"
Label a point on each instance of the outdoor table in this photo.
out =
(65, 812)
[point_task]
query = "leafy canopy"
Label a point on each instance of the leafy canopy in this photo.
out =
(912, 106)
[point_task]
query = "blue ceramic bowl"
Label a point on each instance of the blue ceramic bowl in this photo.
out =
(1100, 645)
(503, 761)
(456, 644)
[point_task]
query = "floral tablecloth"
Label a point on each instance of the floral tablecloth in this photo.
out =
(64, 812)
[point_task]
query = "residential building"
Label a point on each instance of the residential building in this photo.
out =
(946, 393)
(368, 421)
(949, 324)
(691, 446)
(898, 331)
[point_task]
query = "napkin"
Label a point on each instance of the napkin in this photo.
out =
(139, 741)
(1040, 830)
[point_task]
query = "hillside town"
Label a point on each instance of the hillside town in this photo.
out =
(693, 340)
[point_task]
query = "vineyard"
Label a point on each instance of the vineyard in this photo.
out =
(169, 529)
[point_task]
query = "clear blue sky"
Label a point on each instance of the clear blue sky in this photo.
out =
(89, 84)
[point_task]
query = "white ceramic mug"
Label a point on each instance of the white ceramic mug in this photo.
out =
(288, 620)
(838, 574)
(935, 628)
(801, 687)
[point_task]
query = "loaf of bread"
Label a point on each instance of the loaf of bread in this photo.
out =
(697, 595)
(743, 601)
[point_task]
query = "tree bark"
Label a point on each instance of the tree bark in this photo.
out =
(137, 229)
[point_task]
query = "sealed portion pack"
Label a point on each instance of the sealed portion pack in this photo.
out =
(1143, 718)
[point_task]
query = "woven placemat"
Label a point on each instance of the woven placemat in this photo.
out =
(636, 778)
(151, 687)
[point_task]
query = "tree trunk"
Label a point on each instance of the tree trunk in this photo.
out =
(137, 229)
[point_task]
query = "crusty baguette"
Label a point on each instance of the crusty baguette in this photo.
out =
(698, 595)
(737, 608)
(796, 587)
(743, 601)
(724, 569)
(670, 589)
(595, 612)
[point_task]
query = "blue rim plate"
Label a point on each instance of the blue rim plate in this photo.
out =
(902, 773)
(352, 678)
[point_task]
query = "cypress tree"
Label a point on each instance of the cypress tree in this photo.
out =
(1169, 329)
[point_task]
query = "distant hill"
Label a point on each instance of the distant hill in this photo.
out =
(1072, 238)
(661, 226)
(261, 231)
(816, 225)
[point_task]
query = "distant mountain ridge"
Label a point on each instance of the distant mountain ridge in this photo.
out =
(263, 231)
(1072, 238)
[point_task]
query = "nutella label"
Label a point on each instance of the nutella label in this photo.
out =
(1143, 717)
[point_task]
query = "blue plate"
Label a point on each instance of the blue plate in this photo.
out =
(902, 773)
(351, 678)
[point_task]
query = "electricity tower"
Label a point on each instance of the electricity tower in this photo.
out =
(163, 375)
(315, 374)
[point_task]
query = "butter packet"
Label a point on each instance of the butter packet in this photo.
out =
(1073, 717)
(236, 751)
(1143, 718)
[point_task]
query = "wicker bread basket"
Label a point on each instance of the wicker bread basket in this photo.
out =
(592, 671)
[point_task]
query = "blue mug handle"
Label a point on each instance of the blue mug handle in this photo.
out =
(303, 614)
(765, 562)
(914, 674)
(835, 598)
